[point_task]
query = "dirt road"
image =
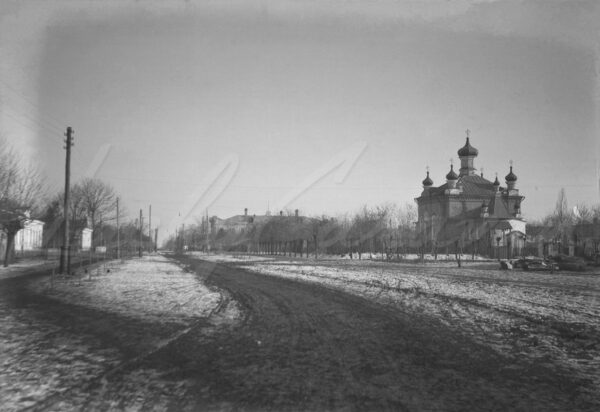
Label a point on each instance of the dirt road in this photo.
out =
(306, 347)
(296, 346)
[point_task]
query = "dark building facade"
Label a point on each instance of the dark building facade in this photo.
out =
(471, 214)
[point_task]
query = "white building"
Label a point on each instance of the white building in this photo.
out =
(30, 237)
(86, 239)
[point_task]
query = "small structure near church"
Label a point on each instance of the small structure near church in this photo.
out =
(470, 214)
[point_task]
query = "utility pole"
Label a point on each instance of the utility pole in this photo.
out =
(207, 233)
(65, 252)
(118, 233)
(183, 238)
(141, 231)
(155, 239)
(150, 226)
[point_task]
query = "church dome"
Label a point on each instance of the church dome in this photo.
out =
(427, 182)
(496, 182)
(451, 175)
(467, 150)
(511, 177)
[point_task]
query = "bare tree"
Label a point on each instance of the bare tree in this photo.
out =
(582, 213)
(561, 211)
(20, 191)
(92, 200)
(98, 199)
(562, 218)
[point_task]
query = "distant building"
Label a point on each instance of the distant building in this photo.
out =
(30, 237)
(470, 213)
(239, 223)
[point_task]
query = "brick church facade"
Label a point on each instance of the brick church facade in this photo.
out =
(471, 214)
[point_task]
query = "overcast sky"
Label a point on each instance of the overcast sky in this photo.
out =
(263, 98)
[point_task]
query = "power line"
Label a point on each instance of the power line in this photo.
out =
(37, 121)
(31, 121)
(45, 121)
(49, 119)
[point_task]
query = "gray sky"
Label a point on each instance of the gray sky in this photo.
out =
(163, 94)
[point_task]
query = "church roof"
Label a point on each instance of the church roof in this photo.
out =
(476, 185)
(472, 185)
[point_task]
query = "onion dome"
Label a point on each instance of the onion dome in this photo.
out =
(511, 177)
(496, 182)
(427, 182)
(467, 150)
(451, 175)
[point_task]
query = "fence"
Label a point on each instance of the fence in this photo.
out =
(78, 255)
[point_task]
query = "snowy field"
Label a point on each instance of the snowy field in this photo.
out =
(542, 318)
(41, 359)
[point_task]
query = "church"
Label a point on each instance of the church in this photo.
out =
(470, 214)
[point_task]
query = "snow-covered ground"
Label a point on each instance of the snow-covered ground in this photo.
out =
(39, 358)
(151, 288)
(540, 317)
(23, 266)
(222, 258)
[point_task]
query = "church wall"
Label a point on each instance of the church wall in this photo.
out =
(459, 206)
(430, 206)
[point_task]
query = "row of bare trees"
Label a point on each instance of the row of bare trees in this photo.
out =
(563, 216)
(384, 228)
(92, 205)
(565, 222)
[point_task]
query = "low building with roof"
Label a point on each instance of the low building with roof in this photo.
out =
(470, 213)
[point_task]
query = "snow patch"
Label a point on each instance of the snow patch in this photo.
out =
(150, 288)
